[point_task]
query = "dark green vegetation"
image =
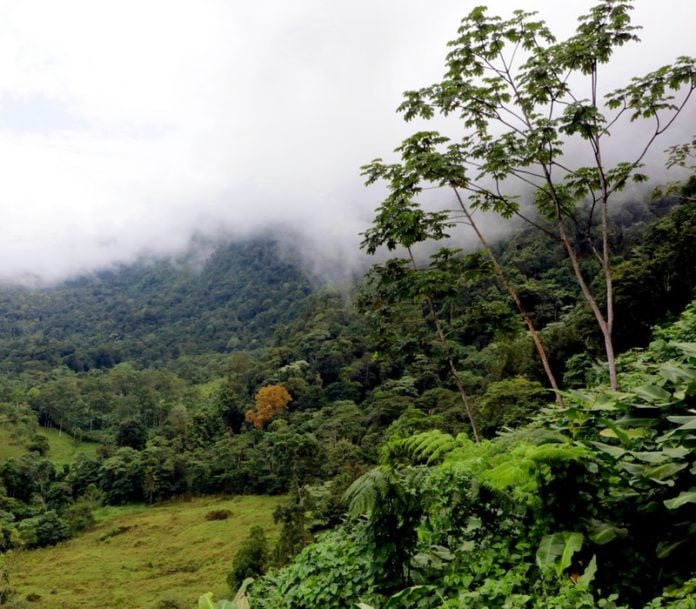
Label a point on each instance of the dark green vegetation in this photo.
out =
(410, 420)
(152, 314)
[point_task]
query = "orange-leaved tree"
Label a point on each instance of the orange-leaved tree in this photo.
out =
(270, 400)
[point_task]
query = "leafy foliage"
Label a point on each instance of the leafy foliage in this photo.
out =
(270, 400)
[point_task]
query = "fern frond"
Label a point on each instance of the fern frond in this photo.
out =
(366, 491)
(426, 448)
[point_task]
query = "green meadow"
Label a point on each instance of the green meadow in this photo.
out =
(63, 448)
(141, 556)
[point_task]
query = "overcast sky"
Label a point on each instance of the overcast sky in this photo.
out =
(128, 126)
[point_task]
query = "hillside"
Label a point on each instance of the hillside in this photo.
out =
(153, 312)
(142, 557)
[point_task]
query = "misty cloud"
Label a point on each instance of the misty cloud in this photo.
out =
(128, 127)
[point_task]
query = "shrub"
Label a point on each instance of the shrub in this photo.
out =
(250, 560)
(218, 515)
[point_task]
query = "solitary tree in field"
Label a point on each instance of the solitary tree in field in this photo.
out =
(532, 117)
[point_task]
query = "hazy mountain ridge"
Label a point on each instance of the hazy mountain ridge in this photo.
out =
(154, 311)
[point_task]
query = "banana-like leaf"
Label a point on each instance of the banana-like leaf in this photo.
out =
(572, 545)
(604, 532)
(557, 550)
(586, 578)
(550, 548)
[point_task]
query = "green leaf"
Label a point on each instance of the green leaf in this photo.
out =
(665, 548)
(206, 601)
(675, 372)
(586, 578)
(604, 532)
(550, 548)
(557, 550)
(688, 348)
(688, 422)
(614, 451)
(572, 545)
(625, 435)
(678, 452)
(661, 472)
(652, 393)
(682, 499)
(636, 421)
(651, 456)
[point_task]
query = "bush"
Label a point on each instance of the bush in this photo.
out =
(250, 560)
(46, 529)
(218, 515)
(79, 517)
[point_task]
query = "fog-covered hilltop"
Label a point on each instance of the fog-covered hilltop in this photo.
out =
(154, 311)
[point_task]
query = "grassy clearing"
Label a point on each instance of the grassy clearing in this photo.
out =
(63, 448)
(11, 445)
(163, 552)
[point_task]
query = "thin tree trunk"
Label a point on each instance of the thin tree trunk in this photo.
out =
(604, 327)
(515, 297)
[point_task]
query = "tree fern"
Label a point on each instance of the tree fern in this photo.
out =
(427, 448)
(366, 491)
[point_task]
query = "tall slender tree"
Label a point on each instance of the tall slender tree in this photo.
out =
(519, 97)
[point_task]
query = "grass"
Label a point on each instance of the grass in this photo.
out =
(164, 552)
(10, 444)
(63, 448)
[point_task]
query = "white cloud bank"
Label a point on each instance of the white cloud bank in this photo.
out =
(128, 126)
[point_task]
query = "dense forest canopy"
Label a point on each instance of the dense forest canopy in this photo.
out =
(507, 425)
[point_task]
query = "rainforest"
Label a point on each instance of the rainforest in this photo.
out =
(495, 409)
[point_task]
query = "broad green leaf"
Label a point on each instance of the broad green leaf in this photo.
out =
(636, 421)
(682, 499)
(206, 601)
(614, 451)
(687, 422)
(678, 452)
(572, 545)
(635, 468)
(665, 548)
(550, 548)
(240, 600)
(604, 532)
(396, 599)
(675, 372)
(586, 578)
(661, 472)
(622, 434)
(557, 550)
(651, 456)
(617, 431)
(652, 393)
(604, 402)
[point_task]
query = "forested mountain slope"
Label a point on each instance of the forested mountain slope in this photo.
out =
(153, 312)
